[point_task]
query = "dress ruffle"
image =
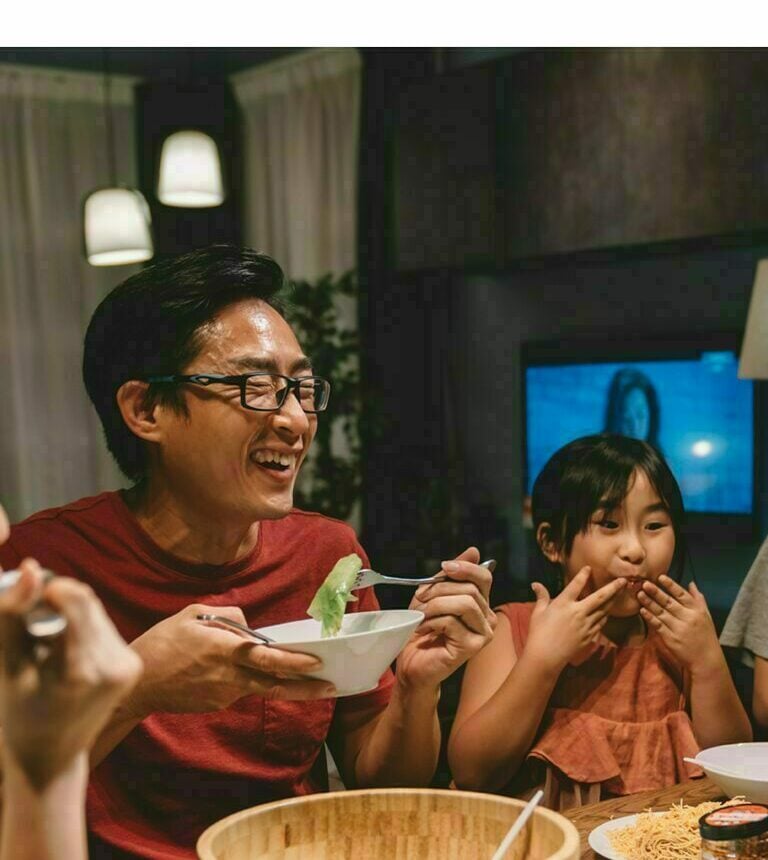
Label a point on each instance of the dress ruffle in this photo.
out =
(625, 757)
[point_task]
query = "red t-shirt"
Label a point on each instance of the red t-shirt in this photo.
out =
(175, 774)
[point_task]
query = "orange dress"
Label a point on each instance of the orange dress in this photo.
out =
(616, 723)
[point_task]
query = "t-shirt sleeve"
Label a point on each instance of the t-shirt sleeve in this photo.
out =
(745, 627)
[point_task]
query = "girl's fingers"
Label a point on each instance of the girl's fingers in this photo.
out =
(596, 626)
(660, 613)
(676, 590)
(660, 597)
(651, 619)
(697, 595)
(576, 585)
(542, 595)
(599, 599)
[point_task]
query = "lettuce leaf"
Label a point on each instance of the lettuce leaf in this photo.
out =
(331, 599)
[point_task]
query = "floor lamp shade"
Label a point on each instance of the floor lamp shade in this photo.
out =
(754, 348)
(117, 227)
(190, 171)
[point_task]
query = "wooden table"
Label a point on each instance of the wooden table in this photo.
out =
(588, 817)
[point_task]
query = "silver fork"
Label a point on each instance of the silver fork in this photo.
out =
(368, 577)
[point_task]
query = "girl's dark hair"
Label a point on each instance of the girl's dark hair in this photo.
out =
(154, 323)
(596, 472)
(623, 382)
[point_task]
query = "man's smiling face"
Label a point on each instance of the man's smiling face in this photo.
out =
(234, 461)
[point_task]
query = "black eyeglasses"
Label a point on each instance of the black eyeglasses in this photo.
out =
(264, 392)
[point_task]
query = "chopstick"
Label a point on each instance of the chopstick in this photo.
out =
(518, 825)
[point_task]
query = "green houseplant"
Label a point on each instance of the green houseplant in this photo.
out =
(330, 482)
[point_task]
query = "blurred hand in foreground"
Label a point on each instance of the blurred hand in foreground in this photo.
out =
(55, 697)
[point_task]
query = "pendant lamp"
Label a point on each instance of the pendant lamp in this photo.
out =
(116, 219)
(190, 171)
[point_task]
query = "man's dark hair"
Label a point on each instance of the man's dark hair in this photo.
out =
(594, 473)
(153, 324)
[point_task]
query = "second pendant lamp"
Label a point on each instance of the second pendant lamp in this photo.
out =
(190, 171)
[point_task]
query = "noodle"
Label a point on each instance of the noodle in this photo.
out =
(673, 835)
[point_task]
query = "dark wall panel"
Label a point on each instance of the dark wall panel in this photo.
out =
(610, 147)
(445, 174)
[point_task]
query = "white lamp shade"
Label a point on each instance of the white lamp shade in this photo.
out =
(190, 171)
(117, 223)
(754, 348)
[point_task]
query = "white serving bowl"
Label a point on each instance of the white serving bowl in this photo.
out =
(355, 660)
(738, 769)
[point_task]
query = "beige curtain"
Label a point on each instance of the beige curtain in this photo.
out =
(302, 117)
(53, 151)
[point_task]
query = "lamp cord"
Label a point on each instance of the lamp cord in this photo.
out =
(109, 121)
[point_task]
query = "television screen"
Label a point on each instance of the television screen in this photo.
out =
(694, 409)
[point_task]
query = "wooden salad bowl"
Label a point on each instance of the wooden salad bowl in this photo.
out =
(391, 823)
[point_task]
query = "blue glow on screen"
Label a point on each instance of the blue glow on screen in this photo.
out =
(705, 421)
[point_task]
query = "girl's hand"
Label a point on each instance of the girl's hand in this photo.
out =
(681, 617)
(560, 628)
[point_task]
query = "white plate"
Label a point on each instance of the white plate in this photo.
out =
(598, 838)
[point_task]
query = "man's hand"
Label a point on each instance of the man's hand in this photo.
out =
(56, 698)
(191, 666)
(458, 622)
(562, 626)
(681, 617)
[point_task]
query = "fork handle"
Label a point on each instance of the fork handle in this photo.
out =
(398, 580)
(409, 580)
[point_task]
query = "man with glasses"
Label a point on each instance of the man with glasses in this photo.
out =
(209, 406)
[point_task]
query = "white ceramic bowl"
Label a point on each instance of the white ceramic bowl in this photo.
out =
(355, 660)
(738, 769)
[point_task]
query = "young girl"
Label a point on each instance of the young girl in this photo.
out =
(603, 689)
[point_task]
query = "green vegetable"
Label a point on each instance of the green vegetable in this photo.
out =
(332, 597)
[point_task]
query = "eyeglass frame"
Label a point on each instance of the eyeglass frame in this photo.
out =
(293, 383)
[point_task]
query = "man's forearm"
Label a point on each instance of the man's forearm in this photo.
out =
(46, 823)
(122, 722)
(403, 748)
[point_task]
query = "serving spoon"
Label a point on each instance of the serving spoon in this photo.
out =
(518, 825)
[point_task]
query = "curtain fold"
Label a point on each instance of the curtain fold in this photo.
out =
(302, 131)
(301, 119)
(53, 152)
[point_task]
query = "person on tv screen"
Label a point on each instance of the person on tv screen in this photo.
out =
(210, 405)
(746, 629)
(602, 689)
(632, 408)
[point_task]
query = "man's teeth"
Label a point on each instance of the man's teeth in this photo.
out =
(274, 457)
